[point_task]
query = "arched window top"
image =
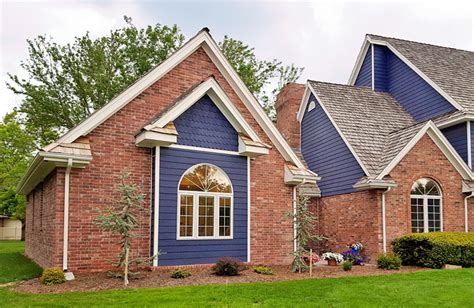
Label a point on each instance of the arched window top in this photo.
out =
(425, 186)
(205, 178)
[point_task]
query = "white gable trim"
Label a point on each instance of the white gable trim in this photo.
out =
(220, 99)
(204, 40)
(360, 59)
(369, 41)
(338, 129)
(437, 136)
(303, 104)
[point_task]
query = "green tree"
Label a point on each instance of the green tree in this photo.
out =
(122, 218)
(16, 149)
(66, 83)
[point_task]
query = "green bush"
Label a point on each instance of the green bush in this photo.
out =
(52, 276)
(262, 269)
(347, 265)
(436, 249)
(389, 261)
(228, 266)
(180, 273)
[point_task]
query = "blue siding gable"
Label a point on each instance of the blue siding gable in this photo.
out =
(380, 68)
(364, 78)
(326, 153)
(412, 92)
(457, 136)
(472, 144)
(173, 163)
(203, 125)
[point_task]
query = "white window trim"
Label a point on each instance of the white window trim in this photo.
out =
(425, 211)
(196, 195)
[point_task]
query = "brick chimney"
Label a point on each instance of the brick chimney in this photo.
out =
(287, 105)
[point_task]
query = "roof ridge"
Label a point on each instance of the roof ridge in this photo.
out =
(411, 41)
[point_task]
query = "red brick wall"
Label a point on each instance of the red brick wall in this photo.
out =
(351, 218)
(424, 160)
(357, 216)
(41, 223)
(287, 105)
(113, 149)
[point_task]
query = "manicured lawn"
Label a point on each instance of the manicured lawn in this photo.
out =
(453, 288)
(13, 265)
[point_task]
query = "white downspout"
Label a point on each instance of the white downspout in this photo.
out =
(66, 212)
(466, 213)
(384, 221)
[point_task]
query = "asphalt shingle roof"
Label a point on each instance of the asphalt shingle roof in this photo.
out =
(451, 69)
(365, 117)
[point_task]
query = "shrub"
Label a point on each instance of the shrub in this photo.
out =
(52, 276)
(180, 273)
(389, 261)
(347, 265)
(436, 249)
(228, 266)
(262, 269)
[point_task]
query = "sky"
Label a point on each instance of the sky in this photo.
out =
(324, 37)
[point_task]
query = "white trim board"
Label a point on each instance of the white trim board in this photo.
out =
(204, 40)
(443, 144)
(368, 41)
(309, 90)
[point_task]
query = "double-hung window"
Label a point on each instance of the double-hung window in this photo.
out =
(205, 204)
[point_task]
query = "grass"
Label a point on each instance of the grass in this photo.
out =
(14, 266)
(447, 288)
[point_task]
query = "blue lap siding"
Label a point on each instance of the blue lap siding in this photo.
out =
(472, 141)
(173, 163)
(364, 78)
(457, 136)
(203, 125)
(327, 154)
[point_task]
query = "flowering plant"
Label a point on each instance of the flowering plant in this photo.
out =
(354, 256)
(333, 256)
(306, 258)
(356, 246)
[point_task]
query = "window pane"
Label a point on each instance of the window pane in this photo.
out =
(186, 216)
(206, 216)
(224, 216)
(434, 215)
(205, 178)
(417, 223)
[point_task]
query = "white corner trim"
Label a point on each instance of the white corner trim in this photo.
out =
(249, 213)
(156, 205)
(204, 40)
(469, 150)
(303, 104)
(218, 96)
(66, 214)
(438, 138)
(372, 74)
(360, 59)
(209, 150)
(340, 132)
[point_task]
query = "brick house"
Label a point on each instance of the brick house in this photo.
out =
(393, 147)
(386, 155)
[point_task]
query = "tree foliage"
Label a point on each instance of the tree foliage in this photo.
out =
(122, 218)
(16, 148)
(66, 83)
(304, 220)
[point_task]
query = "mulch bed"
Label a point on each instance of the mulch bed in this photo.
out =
(200, 276)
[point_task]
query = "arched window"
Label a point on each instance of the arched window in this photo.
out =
(205, 201)
(426, 206)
